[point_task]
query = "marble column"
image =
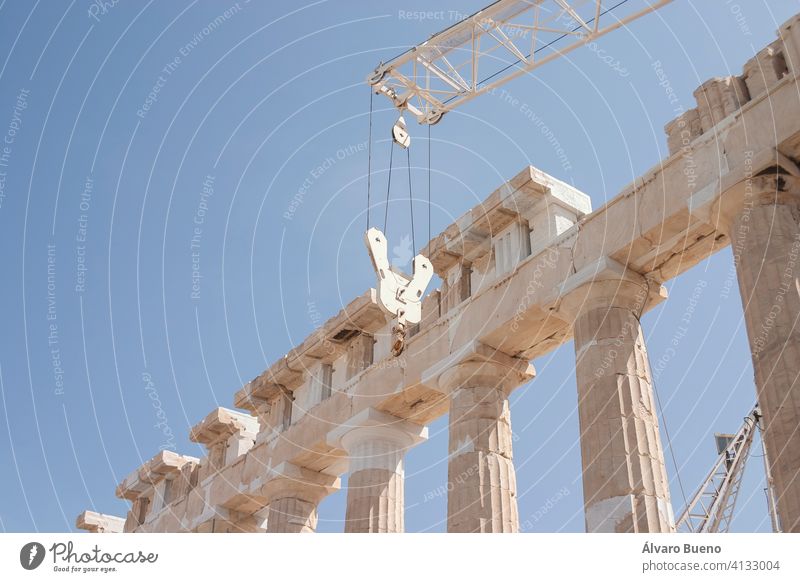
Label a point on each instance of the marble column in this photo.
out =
(293, 494)
(482, 488)
(764, 229)
(625, 483)
(376, 444)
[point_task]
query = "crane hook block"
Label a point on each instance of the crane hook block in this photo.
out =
(400, 133)
(397, 293)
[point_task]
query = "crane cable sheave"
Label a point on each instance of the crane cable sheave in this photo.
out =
(400, 133)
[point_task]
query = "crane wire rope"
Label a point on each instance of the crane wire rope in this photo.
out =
(429, 182)
(369, 155)
(411, 203)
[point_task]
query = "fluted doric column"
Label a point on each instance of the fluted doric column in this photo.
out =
(762, 219)
(293, 494)
(376, 444)
(482, 486)
(625, 483)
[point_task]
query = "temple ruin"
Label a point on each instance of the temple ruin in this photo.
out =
(530, 268)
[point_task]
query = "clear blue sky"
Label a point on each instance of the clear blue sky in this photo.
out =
(251, 109)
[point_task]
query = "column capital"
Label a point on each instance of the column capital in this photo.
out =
(720, 203)
(289, 480)
(372, 424)
(478, 364)
(605, 283)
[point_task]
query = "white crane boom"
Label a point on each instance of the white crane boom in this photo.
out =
(499, 43)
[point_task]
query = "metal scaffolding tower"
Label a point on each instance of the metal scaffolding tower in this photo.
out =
(711, 508)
